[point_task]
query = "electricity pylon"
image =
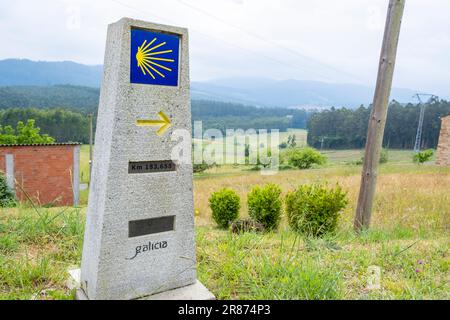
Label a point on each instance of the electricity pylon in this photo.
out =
(421, 117)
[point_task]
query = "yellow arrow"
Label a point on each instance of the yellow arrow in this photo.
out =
(163, 124)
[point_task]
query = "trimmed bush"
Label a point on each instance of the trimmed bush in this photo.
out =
(314, 210)
(7, 197)
(305, 158)
(264, 205)
(225, 205)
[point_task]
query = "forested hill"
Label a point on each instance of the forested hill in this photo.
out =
(214, 114)
(246, 90)
(347, 129)
(290, 93)
(61, 112)
(60, 96)
(44, 73)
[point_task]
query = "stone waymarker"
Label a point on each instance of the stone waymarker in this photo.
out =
(139, 238)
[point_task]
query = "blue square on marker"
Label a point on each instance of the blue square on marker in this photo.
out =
(154, 58)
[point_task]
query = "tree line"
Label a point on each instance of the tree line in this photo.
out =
(72, 125)
(224, 115)
(214, 114)
(334, 129)
(61, 124)
(345, 128)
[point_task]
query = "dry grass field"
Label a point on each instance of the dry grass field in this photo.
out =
(403, 199)
(408, 240)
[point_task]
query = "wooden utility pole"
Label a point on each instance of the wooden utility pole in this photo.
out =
(91, 133)
(378, 115)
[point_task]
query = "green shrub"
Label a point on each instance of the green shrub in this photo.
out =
(305, 158)
(225, 205)
(23, 134)
(264, 205)
(282, 167)
(7, 197)
(314, 209)
(384, 157)
(200, 167)
(423, 156)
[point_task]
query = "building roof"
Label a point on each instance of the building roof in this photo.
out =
(42, 144)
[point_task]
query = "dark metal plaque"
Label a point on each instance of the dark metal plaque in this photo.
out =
(144, 227)
(151, 166)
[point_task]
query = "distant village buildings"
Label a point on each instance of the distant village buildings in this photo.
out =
(443, 149)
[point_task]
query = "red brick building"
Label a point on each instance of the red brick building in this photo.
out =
(46, 173)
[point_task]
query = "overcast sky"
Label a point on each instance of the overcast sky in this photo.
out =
(328, 40)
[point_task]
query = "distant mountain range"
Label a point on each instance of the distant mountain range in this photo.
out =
(290, 93)
(254, 91)
(22, 72)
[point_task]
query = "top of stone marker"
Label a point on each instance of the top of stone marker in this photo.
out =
(151, 26)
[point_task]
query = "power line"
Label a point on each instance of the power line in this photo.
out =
(273, 43)
(259, 54)
(207, 35)
(140, 10)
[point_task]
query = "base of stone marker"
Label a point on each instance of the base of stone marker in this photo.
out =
(196, 291)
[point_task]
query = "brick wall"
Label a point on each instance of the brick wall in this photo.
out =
(44, 172)
(443, 149)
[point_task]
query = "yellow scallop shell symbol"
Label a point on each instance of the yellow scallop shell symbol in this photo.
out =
(146, 57)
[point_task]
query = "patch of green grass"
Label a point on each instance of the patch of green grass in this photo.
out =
(279, 265)
(84, 195)
(84, 163)
(284, 266)
(26, 278)
(37, 247)
(346, 157)
(9, 242)
(300, 137)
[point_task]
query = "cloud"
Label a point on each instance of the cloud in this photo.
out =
(375, 18)
(337, 41)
